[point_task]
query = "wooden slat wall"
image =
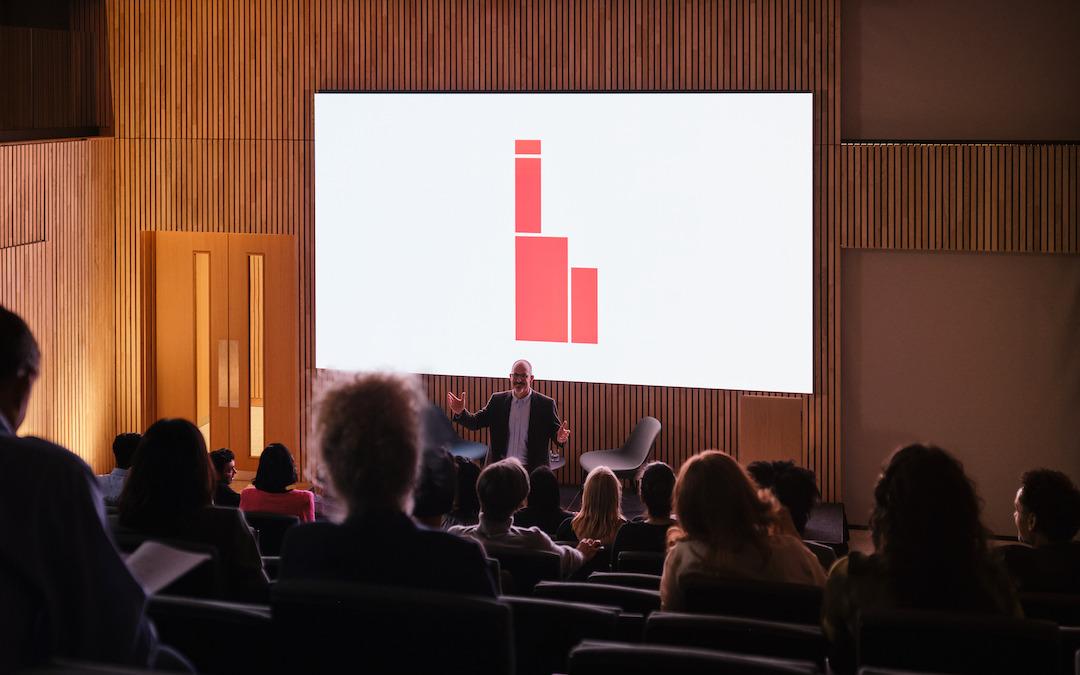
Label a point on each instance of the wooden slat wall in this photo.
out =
(61, 283)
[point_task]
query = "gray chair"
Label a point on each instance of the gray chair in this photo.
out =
(626, 460)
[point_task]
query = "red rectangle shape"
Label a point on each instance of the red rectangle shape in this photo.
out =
(583, 306)
(527, 195)
(527, 147)
(541, 288)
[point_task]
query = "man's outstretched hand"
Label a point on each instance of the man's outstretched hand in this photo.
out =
(563, 434)
(456, 405)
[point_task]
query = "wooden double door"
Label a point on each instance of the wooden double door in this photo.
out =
(225, 334)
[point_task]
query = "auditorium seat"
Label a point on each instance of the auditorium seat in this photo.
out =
(640, 562)
(828, 525)
(771, 601)
(635, 600)
(546, 630)
(739, 635)
(75, 667)
(614, 658)
(1063, 609)
(381, 629)
(269, 529)
(219, 638)
(207, 580)
(526, 568)
(956, 642)
(625, 461)
(630, 579)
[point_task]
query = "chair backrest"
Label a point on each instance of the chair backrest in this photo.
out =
(642, 438)
(739, 635)
(604, 658)
(955, 642)
(270, 529)
(630, 579)
(390, 629)
(546, 630)
(1060, 608)
(527, 568)
(205, 580)
(217, 637)
(828, 525)
(640, 562)
(771, 601)
(636, 600)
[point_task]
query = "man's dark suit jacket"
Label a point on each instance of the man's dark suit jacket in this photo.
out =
(543, 424)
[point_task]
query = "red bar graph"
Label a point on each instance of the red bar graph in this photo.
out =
(526, 147)
(583, 306)
(541, 288)
(527, 195)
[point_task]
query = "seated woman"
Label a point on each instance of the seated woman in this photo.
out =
(369, 436)
(168, 495)
(1047, 519)
(725, 528)
(655, 481)
(601, 515)
(542, 508)
(270, 493)
(930, 551)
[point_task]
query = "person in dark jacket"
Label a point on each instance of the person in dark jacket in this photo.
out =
(542, 508)
(1047, 516)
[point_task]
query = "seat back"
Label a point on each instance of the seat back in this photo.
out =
(828, 525)
(527, 568)
(217, 637)
(634, 600)
(270, 529)
(205, 580)
(640, 562)
(380, 629)
(739, 635)
(641, 439)
(771, 601)
(546, 630)
(1060, 608)
(613, 658)
(632, 580)
(956, 643)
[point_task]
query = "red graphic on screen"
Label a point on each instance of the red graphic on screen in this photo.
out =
(551, 300)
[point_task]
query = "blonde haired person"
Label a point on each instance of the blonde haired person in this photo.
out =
(726, 528)
(601, 515)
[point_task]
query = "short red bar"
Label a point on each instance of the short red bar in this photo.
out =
(583, 305)
(541, 288)
(527, 195)
(527, 147)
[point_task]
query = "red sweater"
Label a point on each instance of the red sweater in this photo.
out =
(300, 503)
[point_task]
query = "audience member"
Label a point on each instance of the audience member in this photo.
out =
(64, 591)
(502, 488)
(433, 497)
(931, 551)
(726, 528)
(168, 495)
(601, 515)
(543, 509)
(797, 491)
(112, 484)
(370, 441)
(270, 492)
(655, 482)
(224, 462)
(1047, 519)
(466, 504)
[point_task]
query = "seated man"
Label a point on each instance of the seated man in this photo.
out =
(797, 491)
(502, 488)
(224, 462)
(112, 484)
(64, 591)
(1047, 518)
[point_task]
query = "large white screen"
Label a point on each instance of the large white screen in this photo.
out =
(695, 210)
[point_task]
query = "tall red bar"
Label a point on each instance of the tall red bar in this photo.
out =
(527, 187)
(541, 288)
(583, 306)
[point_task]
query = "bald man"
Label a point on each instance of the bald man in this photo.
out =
(523, 422)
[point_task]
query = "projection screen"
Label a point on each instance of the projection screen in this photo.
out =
(658, 238)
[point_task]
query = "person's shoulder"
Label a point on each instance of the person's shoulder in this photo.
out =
(450, 541)
(304, 496)
(546, 400)
(32, 450)
(250, 490)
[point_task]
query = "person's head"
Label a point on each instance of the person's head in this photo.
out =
(369, 434)
(601, 506)
(224, 462)
(1047, 508)
(543, 490)
(123, 448)
(465, 498)
(170, 478)
(277, 470)
(20, 360)
(521, 378)
(433, 497)
(717, 503)
(656, 482)
(502, 488)
(793, 486)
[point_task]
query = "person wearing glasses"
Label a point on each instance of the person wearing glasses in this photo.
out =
(523, 422)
